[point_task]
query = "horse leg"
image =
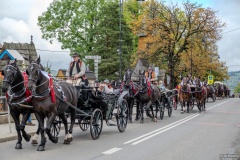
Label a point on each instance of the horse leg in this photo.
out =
(65, 123)
(25, 117)
(181, 103)
(48, 128)
(137, 111)
(35, 137)
(188, 102)
(40, 119)
(15, 117)
(130, 108)
(141, 111)
(69, 138)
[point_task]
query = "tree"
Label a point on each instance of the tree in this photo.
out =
(107, 41)
(72, 23)
(171, 32)
(237, 88)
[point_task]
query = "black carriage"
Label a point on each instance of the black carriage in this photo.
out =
(166, 102)
(94, 107)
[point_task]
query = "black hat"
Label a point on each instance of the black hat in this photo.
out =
(75, 54)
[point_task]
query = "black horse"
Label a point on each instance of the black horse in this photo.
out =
(51, 100)
(14, 84)
(148, 94)
(131, 89)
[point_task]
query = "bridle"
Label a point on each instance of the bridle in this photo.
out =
(45, 93)
(11, 80)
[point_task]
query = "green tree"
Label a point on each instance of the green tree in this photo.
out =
(107, 41)
(237, 88)
(71, 22)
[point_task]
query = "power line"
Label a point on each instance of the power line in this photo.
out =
(231, 31)
(45, 50)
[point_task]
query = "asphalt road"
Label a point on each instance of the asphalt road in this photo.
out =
(190, 136)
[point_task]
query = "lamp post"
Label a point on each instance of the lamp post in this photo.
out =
(120, 39)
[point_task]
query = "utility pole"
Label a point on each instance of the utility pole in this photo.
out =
(120, 39)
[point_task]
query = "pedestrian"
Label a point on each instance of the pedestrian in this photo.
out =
(29, 121)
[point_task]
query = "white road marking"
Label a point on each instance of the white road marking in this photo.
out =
(130, 141)
(146, 138)
(110, 151)
(163, 129)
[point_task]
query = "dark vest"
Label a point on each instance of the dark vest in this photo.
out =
(78, 67)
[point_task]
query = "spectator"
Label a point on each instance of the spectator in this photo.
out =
(29, 121)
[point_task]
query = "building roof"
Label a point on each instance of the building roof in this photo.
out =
(26, 51)
(11, 54)
(90, 75)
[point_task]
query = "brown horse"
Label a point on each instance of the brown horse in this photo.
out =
(200, 95)
(211, 92)
(184, 95)
(50, 100)
(148, 94)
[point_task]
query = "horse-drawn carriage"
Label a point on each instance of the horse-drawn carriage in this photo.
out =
(93, 107)
(56, 102)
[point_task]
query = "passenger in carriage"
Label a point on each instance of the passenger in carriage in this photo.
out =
(106, 87)
(151, 75)
(162, 86)
(76, 71)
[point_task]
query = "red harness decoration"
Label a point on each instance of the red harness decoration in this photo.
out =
(52, 93)
(28, 92)
(149, 86)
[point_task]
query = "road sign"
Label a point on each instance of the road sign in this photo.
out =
(93, 57)
(97, 59)
(210, 79)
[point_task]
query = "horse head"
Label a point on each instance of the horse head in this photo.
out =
(10, 74)
(33, 74)
(142, 80)
(184, 83)
(127, 77)
(198, 84)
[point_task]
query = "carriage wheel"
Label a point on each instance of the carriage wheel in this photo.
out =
(162, 108)
(56, 127)
(83, 124)
(96, 123)
(122, 115)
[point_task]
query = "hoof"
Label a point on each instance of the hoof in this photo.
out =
(141, 121)
(181, 112)
(28, 138)
(69, 139)
(154, 119)
(55, 140)
(66, 142)
(41, 148)
(34, 142)
(18, 146)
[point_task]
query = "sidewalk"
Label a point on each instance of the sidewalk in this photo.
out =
(7, 135)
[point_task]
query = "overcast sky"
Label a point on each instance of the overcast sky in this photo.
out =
(18, 21)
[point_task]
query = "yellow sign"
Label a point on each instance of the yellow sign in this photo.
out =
(210, 79)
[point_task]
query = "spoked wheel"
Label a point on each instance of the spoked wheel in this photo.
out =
(162, 108)
(56, 127)
(96, 123)
(122, 115)
(84, 124)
